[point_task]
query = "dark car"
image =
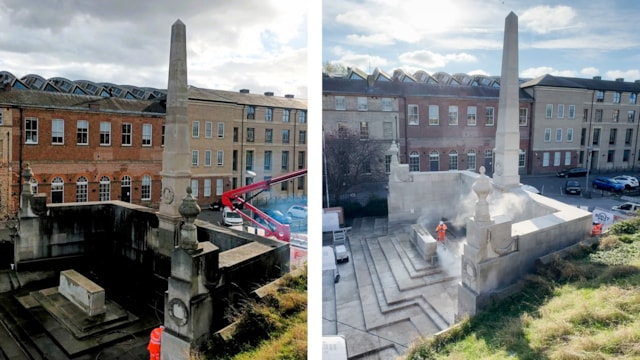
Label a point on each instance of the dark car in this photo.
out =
(217, 205)
(605, 183)
(572, 187)
(572, 172)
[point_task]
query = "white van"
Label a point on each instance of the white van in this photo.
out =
(627, 208)
(231, 218)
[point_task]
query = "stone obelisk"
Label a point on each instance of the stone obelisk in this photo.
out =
(507, 150)
(176, 155)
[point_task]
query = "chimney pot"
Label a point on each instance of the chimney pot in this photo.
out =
(597, 78)
(268, 93)
(289, 96)
(244, 91)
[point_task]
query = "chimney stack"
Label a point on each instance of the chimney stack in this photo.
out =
(268, 93)
(289, 96)
(244, 91)
(597, 78)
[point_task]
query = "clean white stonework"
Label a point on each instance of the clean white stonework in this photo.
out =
(82, 292)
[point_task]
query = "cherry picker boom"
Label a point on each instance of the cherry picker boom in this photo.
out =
(270, 226)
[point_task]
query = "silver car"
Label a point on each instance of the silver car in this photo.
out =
(629, 182)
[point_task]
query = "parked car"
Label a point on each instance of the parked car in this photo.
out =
(297, 211)
(572, 172)
(572, 187)
(629, 182)
(627, 208)
(278, 216)
(231, 218)
(605, 183)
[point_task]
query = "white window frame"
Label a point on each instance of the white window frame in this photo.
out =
(434, 115)
(413, 114)
(545, 159)
(206, 191)
(220, 158)
(549, 111)
(105, 133)
(567, 158)
(453, 115)
(207, 157)
(220, 130)
(556, 158)
(31, 133)
(105, 188)
(219, 186)
(490, 116)
(195, 129)
(547, 135)
(195, 157)
(363, 103)
(147, 133)
(340, 103)
(127, 133)
(57, 131)
(472, 116)
(523, 116)
(268, 114)
(208, 130)
(569, 134)
(194, 187)
(572, 112)
(82, 189)
(387, 104)
(559, 135)
(146, 188)
(285, 115)
(560, 111)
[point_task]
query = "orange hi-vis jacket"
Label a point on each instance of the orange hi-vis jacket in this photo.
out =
(154, 343)
(442, 230)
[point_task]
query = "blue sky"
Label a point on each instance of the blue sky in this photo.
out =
(580, 38)
(259, 45)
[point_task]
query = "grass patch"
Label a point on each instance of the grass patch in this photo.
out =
(583, 307)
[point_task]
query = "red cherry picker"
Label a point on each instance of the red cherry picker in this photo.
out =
(270, 226)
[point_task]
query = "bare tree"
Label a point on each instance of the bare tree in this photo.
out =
(350, 160)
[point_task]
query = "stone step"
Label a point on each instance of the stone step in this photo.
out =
(24, 332)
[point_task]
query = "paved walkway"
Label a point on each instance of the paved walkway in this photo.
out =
(388, 295)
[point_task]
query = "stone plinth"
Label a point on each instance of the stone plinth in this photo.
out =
(82, 292)
(424, 242)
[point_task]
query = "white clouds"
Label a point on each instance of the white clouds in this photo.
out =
(371, 40)
(628, 75)
(428, 59)
(543, 70)
(589, 72)
(545, 19)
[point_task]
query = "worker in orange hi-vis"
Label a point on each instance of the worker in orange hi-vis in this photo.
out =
(154, 343)
(441, 229)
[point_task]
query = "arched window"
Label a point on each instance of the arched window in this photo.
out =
(414, 161)
(434, 161)
(82, 189)
(105, 188)
(57, 190)
(522, 158)
(146, 187)
(125, 189)
(453, 160)
(471, 160)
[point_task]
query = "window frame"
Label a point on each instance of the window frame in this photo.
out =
(126, 134)
(147, 134)
(57, 135)
(105, 133)
(31, 130)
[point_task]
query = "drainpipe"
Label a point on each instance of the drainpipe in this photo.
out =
(21, 142)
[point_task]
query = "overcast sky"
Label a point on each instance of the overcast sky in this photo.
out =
(260, 45)
(578, 38)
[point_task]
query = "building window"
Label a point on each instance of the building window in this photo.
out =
(414, 161)
(105, 133)
(489, 117)
(611, 154)
(572, 111)
(631, 116)
(195, 129)
(302, 117)
(615, 115)
(596, 136)
(208, 129)
(625, 155)
(560, 111)
(285, 116)
(471, 160)
(570, 135)
(598, 115)
(285, 136)
(194, 187)
(127, 136)
(549, 112)
(434, 115)
(387, 163)
(220, 186)
(1, 121)
(146, 187)
(434, 161)
(362, 103)
(612, 136)
(146, 134)
(57, 190)
(31, 130)
(522, 120)
(556, 158)
(302, 137)
(633, 98)
(628, 136)
(235, 134)
(364, 130)
(57, 131)
(82, 131)
(522, 157)
(267, 160)
(195, 157)
(585, 115)
(453, 160)
(234, 160)
(249, 162)
(599, 96)
(583, 137)
(616, 97)
(268, 136)
(342, 130)
(206, 192)
(471, 115)
(207, 158)
(547, 135)
(285, 160)
(545, 159)
(220, 158)
(453, 115)
(387, 104)
(567, 158)
(82, 189)
(220, 130)
(340, 104)
(301, 160)
(559, 135)
(105, 188)
(414, 117)
(251, 134)
(251, 112)
(268, 114)
(284, 186)
(301, 183)
(162, 135)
